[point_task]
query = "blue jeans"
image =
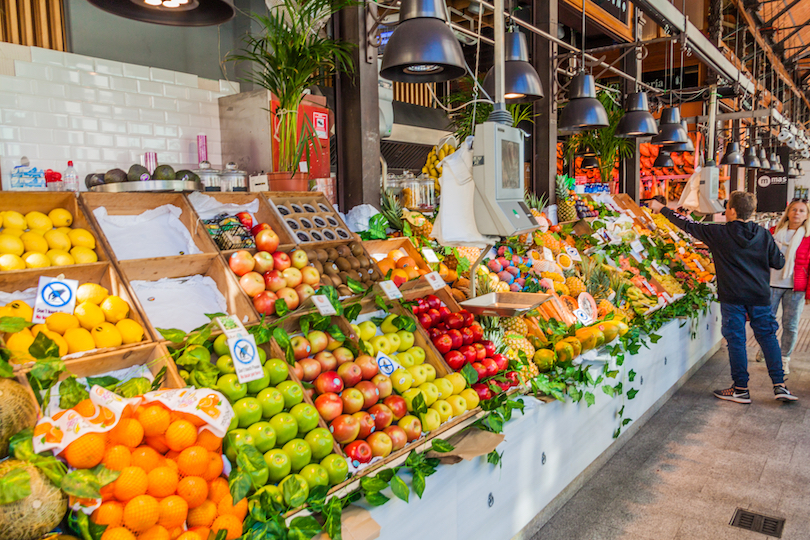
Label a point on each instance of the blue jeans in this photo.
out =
(792, 306)
(763, 323)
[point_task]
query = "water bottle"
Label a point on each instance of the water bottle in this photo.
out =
(71, 178)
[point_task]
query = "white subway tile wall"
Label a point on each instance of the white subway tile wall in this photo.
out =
(103, 114)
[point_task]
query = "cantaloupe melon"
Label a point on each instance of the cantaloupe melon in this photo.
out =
(35, 515)
(18, 411)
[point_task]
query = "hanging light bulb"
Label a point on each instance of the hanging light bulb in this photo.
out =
(763, 159)
(663, 160)
(750, 158)
(171, 12)
(590, 162)
(637, 121)
(670, 129)
(583, 111)
(521, 81)
(688, 146)
(422, 48)
(732, 155)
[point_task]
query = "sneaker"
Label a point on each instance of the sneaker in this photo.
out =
(781, 393)
(759, 357)
(734, 394)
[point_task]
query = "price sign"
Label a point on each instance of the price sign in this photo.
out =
(681, 250)
(667, 297)
(649, 287)
(430, 256)
(583, 317)
(54, 295)
(660, 268)
(390, 289)
(636, 255)
(636, 245)
(435, 280)
(246, 360)
(673, 235)
(386, 364)
(548, 255)
(573, 253)
(323, 305)
(700, 266)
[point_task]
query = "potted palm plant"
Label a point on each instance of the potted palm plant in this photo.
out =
(290, 54)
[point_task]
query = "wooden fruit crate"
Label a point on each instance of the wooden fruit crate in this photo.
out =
(155, 356)
(207, 264)
(44, 202)
(131, 204)
(319, 215)
(384, 247)
(446, 297)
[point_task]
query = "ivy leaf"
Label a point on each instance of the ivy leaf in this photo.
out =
(441, 446)
(386, 475)
(172, 334)
(352, 311)
(81, 483)
(13, 324)
(104, 475)
(336, 333)
(418, 482)
(303, 528)
(632, 393)
(400, 488)
(495, 458)
(289, 355)
(161, 375)
(332, 513)
(303, 324)
(405, 323)
(281, 337)
(375, 498)
(292, 492)
(105, 382)
(607, 389)
(612, 374)
(71, 392)
(281, 307)
(373, 484)
(654, 338)
(6, 371)
(381, 303)
(238, 484)
(355, 286)
(14, 486)
(419, 405)
(198, 338)
(43, 347)
(626, 421)
(589, 398)
(469, 374)
(250, 461)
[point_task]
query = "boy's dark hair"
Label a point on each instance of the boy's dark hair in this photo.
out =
(744, 203)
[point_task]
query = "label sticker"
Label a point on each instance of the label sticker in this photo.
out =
(435, 280)
(54, 295)
(245, 358)
(583, 317)
(387, 364)
(636, 245)
(231, 326)
(573, 253)
(390, 290)
(430, 256)
(649, 287)
(674, 235)
(323, 305)
(700, 266)
(548, 255)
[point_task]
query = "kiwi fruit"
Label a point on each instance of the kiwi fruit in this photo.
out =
(353, 261)
(343, 264)
(354, 275)
(331, 254)
(323, 256)
(375, 274)
(344, 276)
(311, 254)
(317, 265)
(331, 269)
(343, 290)
(336, 280)
(343, 250)
(357, 249)
(364, 263)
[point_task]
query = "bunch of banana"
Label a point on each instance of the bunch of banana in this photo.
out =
(638, 300)
(432, 167)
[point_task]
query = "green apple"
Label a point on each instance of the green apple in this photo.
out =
(225, 364)
(410, 395)
(445, 387)
(248, 410)
(405, 340)
(381, 344)
(336, 467)
(405, 359)
(194, 354)
(278, 463)
(300, 453)
(272, 402)
(356, 329)
(233, 424)
(458, 403)
(430, 420)
(430, 391)
(300, 495)
(277, 369)
(307, 417)
(393, 339)
(231, 387)
(431, 372)
(401, 380)
(285, 426)
(315, 475)
(264, 436)
(321, 442)
(366, 330)
(262, 355)
(444, 409)
(419, 374)
(254, 387)
(387, 325)
(418, 353)
(292, 392)
(234, 441)
(221, 345)
(272, 491)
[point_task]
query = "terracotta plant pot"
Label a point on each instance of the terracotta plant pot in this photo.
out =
(284, 181)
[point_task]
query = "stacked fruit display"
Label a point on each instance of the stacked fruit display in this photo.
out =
(508, 271)
(99, 320)
(433, 166)
(139, 173)
(343, 264)
(36, 240)
(402, 267)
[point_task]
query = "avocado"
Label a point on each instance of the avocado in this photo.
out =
(186, 175)
(163, 172)
(137, 173)
(114, 176)
(92, 180)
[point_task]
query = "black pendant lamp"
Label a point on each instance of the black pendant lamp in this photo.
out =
(750, 159)
(583, 111)
(670, 129)
(422, 48)
(521, 81)
(763, 160)
(171, 12)
(732, 155)
(587, 151)
(637, 121)
(776, 163)
(688, 146)
(663, 160)
(590, 162)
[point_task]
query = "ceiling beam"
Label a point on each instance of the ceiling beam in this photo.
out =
(782, 12)
(796, 30)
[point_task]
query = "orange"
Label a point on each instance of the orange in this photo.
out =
(146, 458)
(85, 408)
(195, 420)
(85, 452)
(399, 276)
(176, 532)
(172, 464)
(154, 419)
(386, 265)
(202, 532)
(158, 442)
(214, 468)
(108, 492)
(155, 533)
(231, 524)
(117, 533)
(189, 535)
(209, 441)
(218, 489)
(406, 262)
(162, 482)
(173, 512)
(172, 454)
(180, 435)
(128, 432)
(412, 271)
(194, 490)
(226, 507)
(193, 461)
(117, 458)
(396, 254)
(131, 483)
(141, 513)
(202, 516)
(109, 513)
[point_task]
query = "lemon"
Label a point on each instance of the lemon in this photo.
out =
(131, 332)
(83, 255)
(10, 262)
(13, 232)
(89, 315)
(37, 328)
(18, 344)
(106, 335)
(40, 232)
(59, 340)
(61, 322)
(36, 260)
(61, 217)
(18, 308)
(91, 292)
(60, 258)
(82, 237)
(58, 240)
(38, 220)
(65, 230)
(11, 244)
(1, 218)
(79, 340)
(34, 242)
(14, 220)
(115, 309)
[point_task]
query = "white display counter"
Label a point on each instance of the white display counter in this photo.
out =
(548, 451)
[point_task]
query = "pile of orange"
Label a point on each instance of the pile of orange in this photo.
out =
(170, 477)
(402, 267)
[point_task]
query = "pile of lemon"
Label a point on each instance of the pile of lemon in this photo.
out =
(99, 320)
(37, 240)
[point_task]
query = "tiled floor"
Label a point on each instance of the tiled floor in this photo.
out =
(698, 459)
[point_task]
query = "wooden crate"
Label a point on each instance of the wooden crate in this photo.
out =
(313, 205)
(44, 202)
(384, 247)
(130, 204)
(155, 356)
(445, 296)
(207, 264)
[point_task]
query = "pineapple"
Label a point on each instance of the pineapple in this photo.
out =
(604, 308)
(561, 289)
(565, 206)
(547, 240)
(420, 225)
(536, 204)
(575, 286)
(553, 276)
(597, 281)
(520, 343)
(392, 211)
(515, 325)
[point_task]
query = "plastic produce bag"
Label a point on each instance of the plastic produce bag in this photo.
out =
(180, 302)
(690, 198)
(358, 217)
(208, 207)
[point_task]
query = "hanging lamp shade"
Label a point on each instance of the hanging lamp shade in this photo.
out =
(637, 120)
(590, 162)
(793, 172)
(587, 151)
(763, 160)
(171, 12)
(732, 155)
(422, 48)
(750, 158)
(583, 110)
(688, 146)
(776, 163)
(663, 160)
(521, 82)
(670, 129)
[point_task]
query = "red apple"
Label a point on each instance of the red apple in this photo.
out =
(350, 373)
(480, 369)
(380, 443)
(456, 338)
(329, 382)
(514, 378)
(329, 406)
(501, 360)
(267, 240)
(298, 370)
(488, 346)
(311, 367)
(425, 320)
(301, 347)
(443, 343)
(359, 452)
(264, 262)
(469, 353)
(483, 391)
(412, 426)
(454, 321)
(435, 316)
(398, 406)
(241, 262)
(317, 341)
(455, 360)
(343, 355)
(310, 275)
(421, 305)
(382, 415)
(398, 437)
(273, 281)
(469, 318)
(367, 426)
(344, 428)
(368, 366)
(503, 385)
(252, 283)
(265, 302)
(467, 336)
(492, 367)
(309, 392)
(299, 258)
(444, 313)
(281, 261)
(433, 301)
(370, 393)
(289, 296)
(352, 400)
(383, 384)
(327, 360)
(441, 326)
(478, 332)
(304, 291)
(292, 276)
(480, 351)
(434, 332)
(256, 229)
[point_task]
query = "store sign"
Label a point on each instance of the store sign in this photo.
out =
(390, 289)
(386, 364)
(243, 349)
(54, 295)
(430, 256)
(323, 305)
